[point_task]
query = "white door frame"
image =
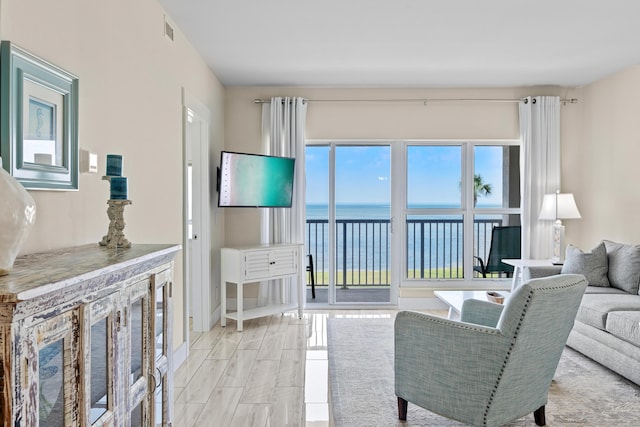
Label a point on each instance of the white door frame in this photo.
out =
(396, 232)
(197, 252)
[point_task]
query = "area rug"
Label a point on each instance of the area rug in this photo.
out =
(361, 381)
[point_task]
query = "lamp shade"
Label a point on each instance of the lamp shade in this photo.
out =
(559, 206)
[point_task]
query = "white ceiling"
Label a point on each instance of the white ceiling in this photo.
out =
(411, 43)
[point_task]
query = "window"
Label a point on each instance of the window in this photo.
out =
(455, 194)
(427, 207)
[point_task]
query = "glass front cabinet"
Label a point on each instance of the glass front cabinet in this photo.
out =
(94, 353)
(102, 322)
(139, 345)
(50, 363)
(162, 367)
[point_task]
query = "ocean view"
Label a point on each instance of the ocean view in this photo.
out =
(350, 211)
(362, 237)
(436, 179)
(363, 210)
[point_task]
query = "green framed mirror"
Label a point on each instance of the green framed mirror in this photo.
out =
(38, 121)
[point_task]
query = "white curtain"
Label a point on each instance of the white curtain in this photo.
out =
(540, 167)
(283, 124)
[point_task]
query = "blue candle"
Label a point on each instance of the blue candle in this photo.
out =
(114, 165)
(118, 188)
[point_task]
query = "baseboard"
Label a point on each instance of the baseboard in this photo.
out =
(214, 317)
(421, 304)
(180, 356)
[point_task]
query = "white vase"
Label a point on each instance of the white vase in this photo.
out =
(17, 215)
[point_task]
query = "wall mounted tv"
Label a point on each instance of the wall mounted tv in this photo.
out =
(255, 180)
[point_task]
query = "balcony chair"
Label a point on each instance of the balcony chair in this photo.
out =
(505, 244)
(496, 364)
(313, 278)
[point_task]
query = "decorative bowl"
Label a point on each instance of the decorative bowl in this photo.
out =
(495, 297)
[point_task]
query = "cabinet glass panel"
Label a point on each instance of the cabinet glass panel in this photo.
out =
(136, 341)
(99, 370)
(159, 322)
(136, 416)
(51, 380)
(158, 406)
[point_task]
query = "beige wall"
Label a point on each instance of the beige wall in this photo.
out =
(600, 138)
(131, 79)
(377, 120)
(600, 159)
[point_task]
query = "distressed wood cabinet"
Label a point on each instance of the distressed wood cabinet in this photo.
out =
(85, 337)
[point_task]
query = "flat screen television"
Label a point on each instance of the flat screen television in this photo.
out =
(255, 180)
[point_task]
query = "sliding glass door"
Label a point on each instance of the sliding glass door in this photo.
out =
(387, 215)
(349, 222)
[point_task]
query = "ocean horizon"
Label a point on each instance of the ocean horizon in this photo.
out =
(437, 239)
(373, 210)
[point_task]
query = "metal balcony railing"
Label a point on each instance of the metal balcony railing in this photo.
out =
(434, 249)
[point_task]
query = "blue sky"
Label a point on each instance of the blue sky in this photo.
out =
(363, 174)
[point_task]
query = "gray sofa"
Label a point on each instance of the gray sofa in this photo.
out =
(607, 326)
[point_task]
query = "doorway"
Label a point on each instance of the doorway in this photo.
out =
(349, 225)
(197, 246)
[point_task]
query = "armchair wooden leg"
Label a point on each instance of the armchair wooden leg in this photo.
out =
(538, 415)
(402, 409)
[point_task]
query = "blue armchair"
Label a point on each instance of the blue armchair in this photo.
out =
(496, 364)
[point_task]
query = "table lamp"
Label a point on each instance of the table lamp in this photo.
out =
(556, 207)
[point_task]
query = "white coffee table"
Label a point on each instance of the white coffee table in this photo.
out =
(454, 299)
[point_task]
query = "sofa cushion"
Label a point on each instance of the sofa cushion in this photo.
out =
(593, 265)
(539, 271)
(604, 290)
(594, 308)
(624, 266)
(625, 325)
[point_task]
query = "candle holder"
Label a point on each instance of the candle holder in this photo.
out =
(115, 236)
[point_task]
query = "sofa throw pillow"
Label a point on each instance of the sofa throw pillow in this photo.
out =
(624, 266)
(593, 265)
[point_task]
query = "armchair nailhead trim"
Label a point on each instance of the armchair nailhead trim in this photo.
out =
(460, 325)
(506, 359)
(513, 342)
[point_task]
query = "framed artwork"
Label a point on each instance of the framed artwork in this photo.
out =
(39, 121)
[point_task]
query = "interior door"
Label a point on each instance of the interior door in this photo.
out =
(200, 296)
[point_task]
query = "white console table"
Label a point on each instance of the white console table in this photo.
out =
(256, 264)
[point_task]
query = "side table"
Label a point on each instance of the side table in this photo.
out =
(455, 299)
(518, 266)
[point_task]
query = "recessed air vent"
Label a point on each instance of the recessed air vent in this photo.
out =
(168, 29)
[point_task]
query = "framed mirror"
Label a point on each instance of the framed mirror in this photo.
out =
(38, 121)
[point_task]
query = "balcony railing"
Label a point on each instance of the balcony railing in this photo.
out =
(434, 249)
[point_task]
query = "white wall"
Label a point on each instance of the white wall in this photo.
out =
(131, 78)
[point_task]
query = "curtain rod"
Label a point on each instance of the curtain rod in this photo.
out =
(425, 101)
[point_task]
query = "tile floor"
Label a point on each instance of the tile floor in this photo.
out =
(274, 373)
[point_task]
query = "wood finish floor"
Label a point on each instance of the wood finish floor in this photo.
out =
(274, 373)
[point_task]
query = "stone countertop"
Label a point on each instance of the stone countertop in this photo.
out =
(34, 275)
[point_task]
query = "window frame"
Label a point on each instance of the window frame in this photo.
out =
(467, 210)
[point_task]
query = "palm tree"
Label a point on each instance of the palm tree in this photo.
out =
(479, 188)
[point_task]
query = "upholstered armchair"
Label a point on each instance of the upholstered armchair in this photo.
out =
(496, 364)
